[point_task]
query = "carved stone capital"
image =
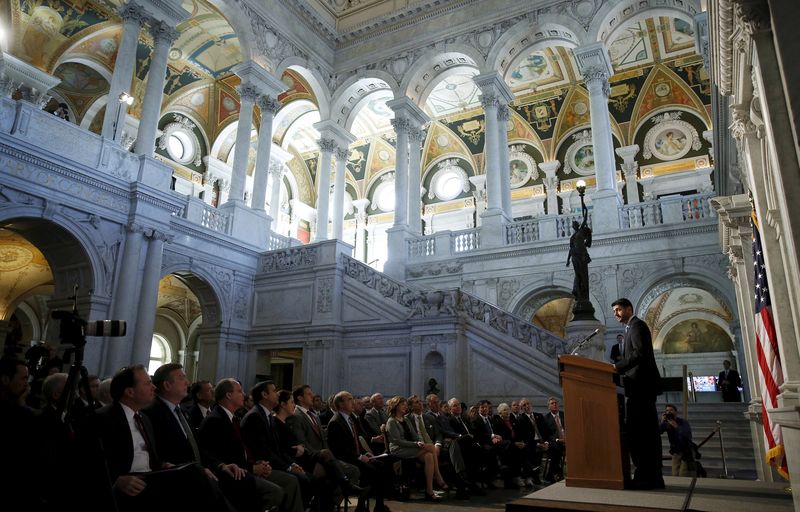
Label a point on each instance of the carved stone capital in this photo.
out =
(741, 126)
(134, 14)
(753, 15)
(327, 145)
(163, 34)
(342, 154)
(416, 136)
(401, 125)
(268, 105)
(597, 78)
(503, 114)
(490, 101)
(247, 93)
(276, 168)
(133, 227)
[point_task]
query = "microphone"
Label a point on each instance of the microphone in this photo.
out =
(583, 341)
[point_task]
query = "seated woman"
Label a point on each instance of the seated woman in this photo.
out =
(405, 443)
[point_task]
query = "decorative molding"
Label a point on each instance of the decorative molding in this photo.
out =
(327, 145)
(289, 260)
(184, 125)
(324, 295)
(247, 93)
(268, 105)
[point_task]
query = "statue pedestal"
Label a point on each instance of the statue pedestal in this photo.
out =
(595, 348)
(583, 311)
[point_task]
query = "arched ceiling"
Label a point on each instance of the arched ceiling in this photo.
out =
(23, 269)
(207, 43)
(454, 93)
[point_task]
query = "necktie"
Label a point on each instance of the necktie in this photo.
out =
(558, 426)
(237, 429)
(419, 426)
(488, 425)
(137, 418)
(535, 428)
(464, 428)
(353, 433)
(188, 431)
(314, 423)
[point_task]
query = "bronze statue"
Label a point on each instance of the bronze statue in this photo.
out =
(579, 242)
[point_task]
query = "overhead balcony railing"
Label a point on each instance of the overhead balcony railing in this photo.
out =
(667, 210)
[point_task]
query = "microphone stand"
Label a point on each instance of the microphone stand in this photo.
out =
(583, 342)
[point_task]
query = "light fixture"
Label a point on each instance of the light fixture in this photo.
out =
(124, 97)
(580, 186)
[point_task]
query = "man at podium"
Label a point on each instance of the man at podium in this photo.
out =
(642, 384)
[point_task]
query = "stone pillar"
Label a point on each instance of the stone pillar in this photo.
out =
(401, 127)
(494, 188)
(595, 66)
(268, 107)
(247, 97)
(118, 350)
(629, 168)
(148, 298)
(133, 17)
(416, 139)
(342, 154)
(504, 164)
(551, 185)
(479, 193)
(326, 148)
(276, 177)
(361, 229)
(163, 36)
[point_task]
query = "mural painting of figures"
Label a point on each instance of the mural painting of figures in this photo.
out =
(692, 336)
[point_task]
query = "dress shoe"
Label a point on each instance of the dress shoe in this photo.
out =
(432, 497)
(351, 489)
(529, 482)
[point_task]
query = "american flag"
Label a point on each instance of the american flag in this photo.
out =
(769, 360)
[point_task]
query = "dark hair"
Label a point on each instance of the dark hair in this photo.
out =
(124, 379)
(196, 387)
(671, 405)
(8, 366)
(623, 302)
(283, 397)
(163, 374)
(298, 391)
(255, 391)
(223, 387)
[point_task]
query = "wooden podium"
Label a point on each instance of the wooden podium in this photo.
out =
(596, 453)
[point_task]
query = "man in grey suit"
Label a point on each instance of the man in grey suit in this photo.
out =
(642, 384)
(434, 421)
(376, 417)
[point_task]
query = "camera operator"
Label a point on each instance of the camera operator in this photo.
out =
(680, 441)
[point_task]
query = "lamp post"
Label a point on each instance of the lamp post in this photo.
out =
(126, 99)
(580, 186)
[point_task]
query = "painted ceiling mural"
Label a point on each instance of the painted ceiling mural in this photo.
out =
(657, 74)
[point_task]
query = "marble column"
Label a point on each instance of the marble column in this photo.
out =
(133, 17)
(276, 177)
(248, 94)
(401, 127)
(629, 168)
(268, 107)
(148, 297)
(416, 138)
(163, 37)
(361, 229)
(551, 185)
(503, 115)
(326, 149)
(342, 154)
(595, 67)
(494, 187)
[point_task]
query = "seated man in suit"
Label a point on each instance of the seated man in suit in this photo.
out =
(223, 449)
(449, 448)
(120, 443)
(202, 393)
(530, 426)
(555, 436)
(482, 462)
(171, 431)
(260, 437)
(376, 416)
(343, 439)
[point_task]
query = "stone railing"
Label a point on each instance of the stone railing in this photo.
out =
(442, 303)
(198, 212)
(277, 241)
(640, 215)
(564, 224)
(420, 247)
(465, 240)
(697, 207)
(522, 232)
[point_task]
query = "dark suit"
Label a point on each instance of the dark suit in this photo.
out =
(555, 449)
(345, 448)
(642, 384)
(220, 445)
(110, 442)
(730, 386)
(616, 353)
(174, 447)
(261, 438)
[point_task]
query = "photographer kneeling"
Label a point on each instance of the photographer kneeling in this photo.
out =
(680, 441)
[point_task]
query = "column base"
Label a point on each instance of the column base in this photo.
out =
(248, 225)
(578, 330)
(605, 211)
(493, 228)
(395, 265)
(583, 311)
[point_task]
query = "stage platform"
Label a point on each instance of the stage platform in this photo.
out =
(710, 494)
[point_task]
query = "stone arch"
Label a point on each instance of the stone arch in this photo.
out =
(314, 78)
(98, 105)
(612, 17)
(530, 298)
(205, 286)
(519, 40)
(242, 25)
(353, 90)
(643, 295)
(434, 367)
(430, 68)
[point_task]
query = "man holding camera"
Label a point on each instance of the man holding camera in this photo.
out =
(680, 441)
